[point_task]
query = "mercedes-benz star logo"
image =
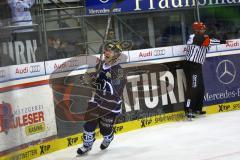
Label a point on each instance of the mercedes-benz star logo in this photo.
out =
(104, 1)
(226, 71)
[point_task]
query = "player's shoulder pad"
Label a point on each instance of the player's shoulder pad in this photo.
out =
(190, 39)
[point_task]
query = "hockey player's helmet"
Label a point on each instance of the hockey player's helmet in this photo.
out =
(113, 46)
(196, 26)
(117, 48)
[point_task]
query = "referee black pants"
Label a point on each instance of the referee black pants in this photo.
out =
(195, 87)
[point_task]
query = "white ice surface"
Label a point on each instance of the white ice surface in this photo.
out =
(214, 137)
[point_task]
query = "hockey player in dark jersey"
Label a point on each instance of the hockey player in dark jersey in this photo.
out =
(198, 45)
(103, 109)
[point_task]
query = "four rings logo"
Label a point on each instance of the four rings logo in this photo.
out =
(2, 73)
(159, 52)
(226, 71)
(104, 1)
(34, 68)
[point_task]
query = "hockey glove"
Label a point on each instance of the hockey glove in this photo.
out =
(98, 84)
(87, 79)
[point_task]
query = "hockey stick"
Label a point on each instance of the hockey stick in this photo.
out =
(101, 49)
(106, 32)
(87, 78)
(197, 11)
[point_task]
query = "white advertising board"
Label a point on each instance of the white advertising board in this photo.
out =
(26, 115)
(230, 45)
(147, 54)
(68, 64)
(4, 74)
(84, 62)
(179, 50)
(92, 60)
(26, 70)
(21, 71)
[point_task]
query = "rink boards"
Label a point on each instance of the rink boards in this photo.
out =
(154, 95)
(61, 143)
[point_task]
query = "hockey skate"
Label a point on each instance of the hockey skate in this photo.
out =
(83, 150)
(106, 142)
(88, 140)
(190, 115)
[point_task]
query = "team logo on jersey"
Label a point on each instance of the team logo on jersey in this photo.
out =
(104, 1)
(226, 72)
(108, 74)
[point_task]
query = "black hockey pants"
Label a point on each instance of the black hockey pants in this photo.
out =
(98, 117)
(195, 87)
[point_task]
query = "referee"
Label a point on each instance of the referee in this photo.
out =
(198, 46)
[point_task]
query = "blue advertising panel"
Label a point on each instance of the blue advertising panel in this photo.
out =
(221, 76)
(95, 7)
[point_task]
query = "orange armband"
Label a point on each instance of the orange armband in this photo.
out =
(206, 41)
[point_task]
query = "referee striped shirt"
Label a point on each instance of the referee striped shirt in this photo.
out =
(197, 53)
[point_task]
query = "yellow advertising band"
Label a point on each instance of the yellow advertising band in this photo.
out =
(61, 143)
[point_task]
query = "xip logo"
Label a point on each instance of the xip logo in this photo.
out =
(72, 141)
(44, 149)
(223, 108)
(118, 129)
(145, 122)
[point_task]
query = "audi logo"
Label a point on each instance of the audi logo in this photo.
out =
(159, 52)
(34, 68)
(2, 73)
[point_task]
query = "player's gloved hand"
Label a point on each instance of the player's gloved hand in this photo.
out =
(98, 84)
(88, 78)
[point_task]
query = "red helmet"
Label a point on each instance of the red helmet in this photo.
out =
(198, 26)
